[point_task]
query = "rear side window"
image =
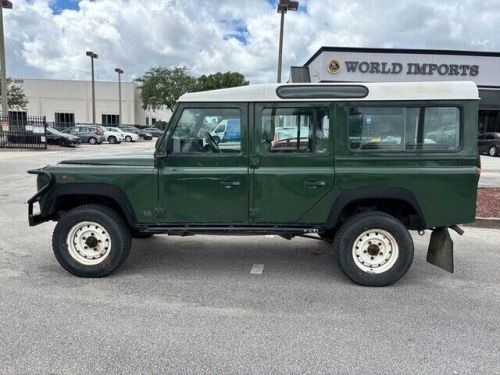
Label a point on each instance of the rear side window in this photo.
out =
(441, 128)
(403, 128)
(295, 130)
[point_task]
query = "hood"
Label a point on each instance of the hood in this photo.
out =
(146, 160)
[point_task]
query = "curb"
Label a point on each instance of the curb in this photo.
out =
(485, 222)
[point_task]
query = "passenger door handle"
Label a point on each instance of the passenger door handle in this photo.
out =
(229, 184)
(314, 184)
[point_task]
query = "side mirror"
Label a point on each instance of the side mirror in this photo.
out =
(170, 144)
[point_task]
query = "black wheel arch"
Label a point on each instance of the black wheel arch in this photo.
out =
(398, 202)
(68, 196)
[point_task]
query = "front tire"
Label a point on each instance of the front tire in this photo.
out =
(492, 151)
(128, 138)
(92, 140)
(112, 139)
(373, 249)
(91, 241)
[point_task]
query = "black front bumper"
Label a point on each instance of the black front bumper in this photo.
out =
(35, 219)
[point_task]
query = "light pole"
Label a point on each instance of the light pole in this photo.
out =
(92, 56)
(283, 7)
(120, 72)
(5, 108)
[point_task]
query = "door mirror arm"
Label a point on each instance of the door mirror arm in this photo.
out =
(163, 148)
(169, 141)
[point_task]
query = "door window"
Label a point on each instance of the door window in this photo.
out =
(296, 130)
(198, 131)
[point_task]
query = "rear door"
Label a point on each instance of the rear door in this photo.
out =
(292, 162)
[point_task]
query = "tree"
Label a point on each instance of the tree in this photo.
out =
(161, 87)
(221, 80)
(16, 99)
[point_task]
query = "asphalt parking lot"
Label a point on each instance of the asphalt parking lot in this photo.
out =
(192, 305)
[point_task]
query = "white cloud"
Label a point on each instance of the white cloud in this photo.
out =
(219, 35)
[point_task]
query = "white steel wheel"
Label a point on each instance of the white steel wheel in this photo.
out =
(375, 251)
(492, 151)
(89, 243)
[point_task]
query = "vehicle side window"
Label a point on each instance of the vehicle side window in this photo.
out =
(442, 126)
(285, 130)
(195, 131)
(403, 128)
(382, 128)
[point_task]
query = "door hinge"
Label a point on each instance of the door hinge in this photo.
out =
(254, 213)
(159, 212)
(254, 162)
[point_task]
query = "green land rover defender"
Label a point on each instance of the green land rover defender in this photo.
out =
(359, 165)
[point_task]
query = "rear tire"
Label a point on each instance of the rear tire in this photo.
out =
(492, 151)
(128, 138)
(373, 248)
(91, 241)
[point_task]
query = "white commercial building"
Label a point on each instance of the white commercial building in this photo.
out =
(67, 102)
(345, 64)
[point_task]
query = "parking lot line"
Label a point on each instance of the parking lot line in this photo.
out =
(257, 269)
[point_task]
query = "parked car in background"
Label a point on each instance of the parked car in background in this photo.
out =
(489, 143)
(141, 133)
(127, 136)
(155, 132)
(87, 134)
(55, 137)
(111, 136)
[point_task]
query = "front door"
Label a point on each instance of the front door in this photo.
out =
(292, 160)
(205, 179)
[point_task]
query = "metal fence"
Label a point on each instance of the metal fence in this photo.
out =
(29, 132)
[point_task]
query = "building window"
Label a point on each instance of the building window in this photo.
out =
(147, 121)
(64, 119)
(18, 117)
(110, 120)
(153, 121)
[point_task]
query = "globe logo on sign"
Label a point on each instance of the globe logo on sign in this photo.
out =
(334, 66)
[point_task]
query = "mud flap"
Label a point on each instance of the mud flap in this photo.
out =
(440, 252)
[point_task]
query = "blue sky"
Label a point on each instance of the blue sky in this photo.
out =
(59, 5)
(48, 38)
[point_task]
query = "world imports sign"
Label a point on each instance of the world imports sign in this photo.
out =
(411, 68)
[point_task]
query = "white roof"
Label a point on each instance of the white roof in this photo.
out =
(445, 90)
